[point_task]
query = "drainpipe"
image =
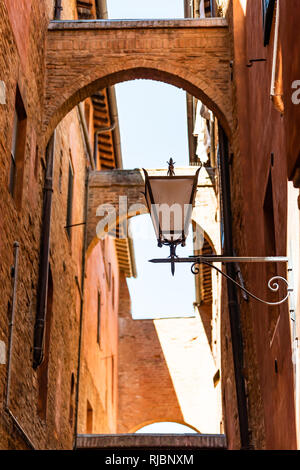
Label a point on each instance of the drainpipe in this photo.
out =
(57, 9)
(84, 247)
(275, 50)
(188, 8)
(14, 274)
(213, 8)
(44, 257)
(86, 136)
(233, 305)
(101, 9)
(111, 93)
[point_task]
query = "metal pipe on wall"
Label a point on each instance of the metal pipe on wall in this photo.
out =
(188, 8)
(57, 9)
(14, 275)
(213, 8)
(111, 93)
(84, 248)
(233, 305)
(39, 327)
(86, 135)
(12, 319)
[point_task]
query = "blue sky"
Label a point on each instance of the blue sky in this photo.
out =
(153, 126)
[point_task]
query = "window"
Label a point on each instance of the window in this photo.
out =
(270, 247)
(43, 368)
(112, 379)
(70, 198)
(17, 150)
(268, 12)
(99, 318)
(60, 177)
(12, 176)
(87, 112)
(71, 408)
(89, 418)
(108, 274)
(113, 291)
(36, 162)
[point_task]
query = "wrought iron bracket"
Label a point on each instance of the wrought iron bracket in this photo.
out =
(211, 259)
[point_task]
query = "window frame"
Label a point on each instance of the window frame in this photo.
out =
(17, 151)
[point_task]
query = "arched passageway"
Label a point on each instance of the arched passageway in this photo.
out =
(84, 57)
(165, 426)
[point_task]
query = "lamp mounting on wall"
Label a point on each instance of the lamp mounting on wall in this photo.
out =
(170, 201)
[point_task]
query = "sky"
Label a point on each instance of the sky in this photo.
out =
(164, 428)
(153, 127)
(143, 9)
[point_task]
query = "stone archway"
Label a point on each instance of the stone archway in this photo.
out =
(83, 57)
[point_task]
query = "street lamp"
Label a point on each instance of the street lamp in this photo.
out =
(170, 201)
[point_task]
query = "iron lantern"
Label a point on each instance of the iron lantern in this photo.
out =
(170, 201)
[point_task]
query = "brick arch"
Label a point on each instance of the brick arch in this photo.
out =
(81, 59)
(167, 420)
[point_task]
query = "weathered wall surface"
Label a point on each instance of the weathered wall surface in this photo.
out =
(166, 371)
(20, 36)
(23, 25)
(99, 370)
(290, 43)
(257, 159)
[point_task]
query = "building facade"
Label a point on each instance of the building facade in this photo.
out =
(64, 292)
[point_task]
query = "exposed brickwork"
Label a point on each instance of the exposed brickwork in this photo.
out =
(99, 377)
(166, 372)
(85, 57)
(79, 61)
(22, 59)
(258, 132)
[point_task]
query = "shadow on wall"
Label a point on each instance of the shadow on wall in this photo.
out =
(166, 372)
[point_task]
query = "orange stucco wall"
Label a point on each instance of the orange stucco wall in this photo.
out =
(99, 361)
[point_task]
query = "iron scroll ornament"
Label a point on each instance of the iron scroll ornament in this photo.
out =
(272, 285)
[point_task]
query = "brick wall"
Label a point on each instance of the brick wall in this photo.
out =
(99, 378)
(23, 27)
(166, 371)
(259, 133)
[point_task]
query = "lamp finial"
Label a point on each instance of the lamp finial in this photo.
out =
(171, 165)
